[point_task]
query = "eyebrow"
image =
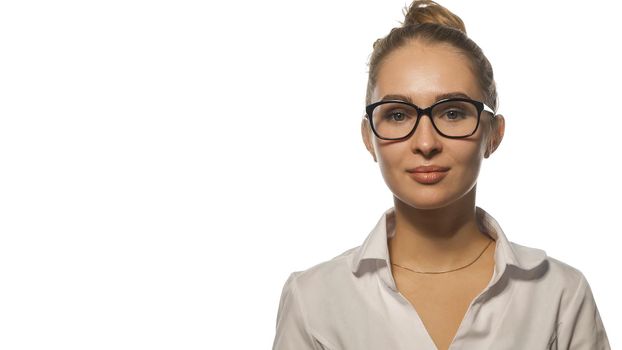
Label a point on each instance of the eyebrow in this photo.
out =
(438, 97)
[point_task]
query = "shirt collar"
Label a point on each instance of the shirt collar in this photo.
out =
(376, 247)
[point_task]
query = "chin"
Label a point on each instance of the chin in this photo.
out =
(428, 197)
(422, 203)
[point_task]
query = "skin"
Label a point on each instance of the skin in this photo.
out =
(436, 228)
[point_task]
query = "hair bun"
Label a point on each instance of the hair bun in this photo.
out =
(428, 11)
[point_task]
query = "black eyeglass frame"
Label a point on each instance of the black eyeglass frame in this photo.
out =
(481, 106)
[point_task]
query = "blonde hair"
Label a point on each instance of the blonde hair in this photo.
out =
(432, 23)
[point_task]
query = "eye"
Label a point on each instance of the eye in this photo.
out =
(396, 115)
(454, 114)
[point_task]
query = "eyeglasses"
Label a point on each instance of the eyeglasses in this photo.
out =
(454, 117)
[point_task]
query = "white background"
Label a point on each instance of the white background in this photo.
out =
(165, 165)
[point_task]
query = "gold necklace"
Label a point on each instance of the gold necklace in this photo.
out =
(469, 264)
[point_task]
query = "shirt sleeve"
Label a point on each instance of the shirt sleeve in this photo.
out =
(292, 332)
(581, 326)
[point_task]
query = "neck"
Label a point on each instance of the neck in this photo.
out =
(436, 239)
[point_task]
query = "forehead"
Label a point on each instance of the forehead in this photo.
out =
(424, 71)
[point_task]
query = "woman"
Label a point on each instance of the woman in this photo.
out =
(437, 272)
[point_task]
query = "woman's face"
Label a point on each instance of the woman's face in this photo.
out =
(423, 72)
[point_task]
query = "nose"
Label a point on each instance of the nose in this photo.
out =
(425, 139)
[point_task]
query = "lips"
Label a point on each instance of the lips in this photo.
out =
(428, 174)
(428, 177)
(427, 169)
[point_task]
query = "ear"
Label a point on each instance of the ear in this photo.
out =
(366, 133)
(497, 131)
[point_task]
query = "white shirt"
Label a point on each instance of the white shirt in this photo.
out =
(351, 302)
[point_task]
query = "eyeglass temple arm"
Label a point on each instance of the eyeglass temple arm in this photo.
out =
(489, 110)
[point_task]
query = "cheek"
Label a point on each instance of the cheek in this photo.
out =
(393, 158)
(468, 154)
(469, 160)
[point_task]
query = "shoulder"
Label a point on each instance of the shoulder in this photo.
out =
(564, 273)
(309, 299)
(329, 293)
(326, 285)
(578, 318)
(319, 275)
(546, 274)
(554, 292)
(539, 284)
